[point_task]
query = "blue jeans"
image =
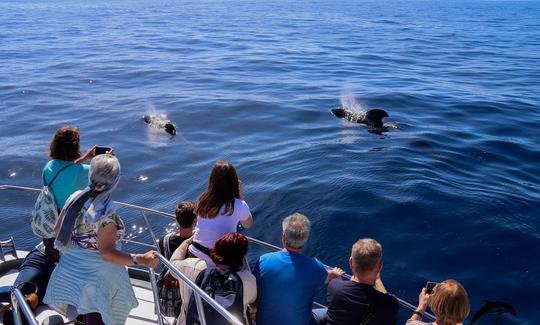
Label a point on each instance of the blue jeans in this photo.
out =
(319, 316)
(33, 269)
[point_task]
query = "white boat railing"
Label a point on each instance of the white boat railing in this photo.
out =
(18, 301)
(167, 264)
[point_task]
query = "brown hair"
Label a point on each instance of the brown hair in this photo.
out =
(366, 254)
(230, 249)
(185, 214)
(223, 188)
(65, 144)
(450, 303)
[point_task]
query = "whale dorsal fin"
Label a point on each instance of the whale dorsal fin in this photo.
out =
(375, 117)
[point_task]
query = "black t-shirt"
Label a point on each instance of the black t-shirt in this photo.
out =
(174, 243)
(350, 302)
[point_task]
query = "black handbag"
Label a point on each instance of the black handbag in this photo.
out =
(170, 301)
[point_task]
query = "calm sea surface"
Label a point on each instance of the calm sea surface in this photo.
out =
(451, 190)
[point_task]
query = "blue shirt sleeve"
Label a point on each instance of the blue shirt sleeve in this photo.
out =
(322, 273)
(256, 269)
(82, 180)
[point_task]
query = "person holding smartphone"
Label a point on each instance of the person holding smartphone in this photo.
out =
(448, 301)
(69, 172)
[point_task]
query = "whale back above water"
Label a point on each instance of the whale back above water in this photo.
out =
(373, 117)
(160, 122)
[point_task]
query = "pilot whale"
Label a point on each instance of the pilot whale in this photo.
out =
(160, 122)
(373, 117)
(494, 307)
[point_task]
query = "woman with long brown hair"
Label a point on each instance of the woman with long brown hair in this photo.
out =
(219, 209)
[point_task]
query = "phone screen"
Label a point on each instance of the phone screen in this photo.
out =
(102, 150)
(430, 286)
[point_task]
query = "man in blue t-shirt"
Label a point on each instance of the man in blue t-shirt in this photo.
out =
(288, 280)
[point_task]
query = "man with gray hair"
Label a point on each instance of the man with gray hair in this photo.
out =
(288, 280)
(363, 299)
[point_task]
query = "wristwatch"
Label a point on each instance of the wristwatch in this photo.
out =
(416, 312)
(134, 259)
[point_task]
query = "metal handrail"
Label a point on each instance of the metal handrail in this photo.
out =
(170, 215)
(199, 294)
(402, 302)
(17, 300)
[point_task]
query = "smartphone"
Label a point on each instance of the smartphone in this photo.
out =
(429, 287)
(102, 150)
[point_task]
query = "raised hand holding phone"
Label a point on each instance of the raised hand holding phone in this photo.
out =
(103, 150)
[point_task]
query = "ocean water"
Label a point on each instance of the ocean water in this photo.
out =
(451, 190)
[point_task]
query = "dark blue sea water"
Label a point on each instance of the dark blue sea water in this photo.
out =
(451, 190)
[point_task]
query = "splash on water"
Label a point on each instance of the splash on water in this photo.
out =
(156, 137)
(351, 103)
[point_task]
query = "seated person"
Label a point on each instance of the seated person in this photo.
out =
(185, 218)
(288, 280)
(449, 302)
(363, 299)
(227, 256)
(219, 209)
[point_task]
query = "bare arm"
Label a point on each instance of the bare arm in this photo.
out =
(109, 253)
(334, 273)
(89, 154)
(248, 222)
(181, 252)
(423, 299)
(58, 223)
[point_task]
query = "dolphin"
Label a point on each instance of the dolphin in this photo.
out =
(494, 307)
(372, 117)
(160, 122)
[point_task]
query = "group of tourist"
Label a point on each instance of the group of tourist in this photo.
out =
(83, 270)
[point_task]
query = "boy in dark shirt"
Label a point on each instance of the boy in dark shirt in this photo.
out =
(362, 300)
(185, 218)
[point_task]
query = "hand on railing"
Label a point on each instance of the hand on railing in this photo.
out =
(148, 259)
(333, 273)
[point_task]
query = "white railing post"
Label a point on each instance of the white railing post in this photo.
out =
(17, 300)
(155, 292)
(200, 309)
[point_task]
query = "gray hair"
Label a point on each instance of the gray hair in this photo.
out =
(104, 172)
(296, 229)
(366, 254)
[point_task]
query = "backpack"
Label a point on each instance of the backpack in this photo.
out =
(226, 288)
(170, 300)
(45, 212)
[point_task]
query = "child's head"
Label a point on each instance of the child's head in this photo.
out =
(185, 214)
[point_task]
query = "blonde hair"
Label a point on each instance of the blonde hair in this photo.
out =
(366, 254)
(449, 302)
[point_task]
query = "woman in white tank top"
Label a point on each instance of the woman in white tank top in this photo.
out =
(219, 209)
